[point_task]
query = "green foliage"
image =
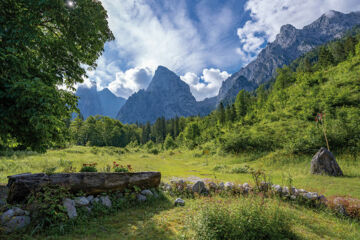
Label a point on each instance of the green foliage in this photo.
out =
(252, 219)
(44, 45)
(88, 167)
(169, 142)
(46, 206)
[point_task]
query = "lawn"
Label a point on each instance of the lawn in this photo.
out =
(161, 220)
(279, 166)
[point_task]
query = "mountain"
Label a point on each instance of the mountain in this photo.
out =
(289, 44)
(166, 96)
(92, 102)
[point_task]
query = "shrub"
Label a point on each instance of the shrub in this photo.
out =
(154, 151)
(252, 219)
(244, 169)
(169, 142)
(46, 206)
(89, 167)
(121, 169)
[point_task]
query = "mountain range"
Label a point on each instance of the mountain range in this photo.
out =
(289, 44)
(168, 96)
(92, 102)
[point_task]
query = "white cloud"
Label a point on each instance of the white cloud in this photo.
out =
(207, 85)
(267, 17)
(130, 81)
(152, 33)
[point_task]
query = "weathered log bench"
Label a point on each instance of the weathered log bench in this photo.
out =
(20, 186)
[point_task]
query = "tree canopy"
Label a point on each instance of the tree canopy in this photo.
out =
(44, 45)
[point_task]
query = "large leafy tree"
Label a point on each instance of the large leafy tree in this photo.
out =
(45, 44)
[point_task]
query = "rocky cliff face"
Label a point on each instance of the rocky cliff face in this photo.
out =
(92, 102)
(166, 96)
(289, 44)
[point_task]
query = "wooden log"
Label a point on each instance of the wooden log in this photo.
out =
(20, 186)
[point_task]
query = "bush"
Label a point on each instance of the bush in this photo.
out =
(89, 167)
(252, 219)
(169, 142)
(154, 151)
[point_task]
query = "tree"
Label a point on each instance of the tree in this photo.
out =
(169, 142)
(44, 45)
(242, 102)
(325, 57)
(221, 113)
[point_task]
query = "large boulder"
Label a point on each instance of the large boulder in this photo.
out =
(324, 162)
(21, 185)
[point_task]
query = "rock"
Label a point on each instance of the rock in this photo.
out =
(301, 191)
(324, 162)
(264, 186)
(277, 188)
(167, 187)
(179, 202)
(199, 187)
(246, 185)
(6, 216)
(81, 201)
(95, 201)
(105, 200)
(310, 196)
(229, 185)
(292, 197)
(286, 191)
(69, 205)
(89, 198)
(88, 209)
(140, 198)
(18, 211)
(17, 223)
(212, 186)
(156, 195)
(221, 186)
(147, 193)
(322, 199)
(21, 185)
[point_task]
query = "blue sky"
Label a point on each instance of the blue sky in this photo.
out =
(203, 41)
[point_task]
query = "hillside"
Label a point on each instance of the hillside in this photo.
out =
(289, 44)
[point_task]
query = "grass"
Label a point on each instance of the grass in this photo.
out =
(183, 163)
(164, 221)
(161, 220)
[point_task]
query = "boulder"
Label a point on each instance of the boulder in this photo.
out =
(21, 185)
(17, 223)
(81, 201)
(147, 193)
(179, 202)
(229, 185)
(105, 200)
(69, 205)
(90, 197)
(140, 198)
(199, 187)
(212, 186)
(324, 162)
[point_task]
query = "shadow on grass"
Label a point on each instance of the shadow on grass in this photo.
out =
(135, 222)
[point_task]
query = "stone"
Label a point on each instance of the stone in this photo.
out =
(18, 211)
(324, 162)
(221, 186)
(277, 188)
(179, 202)
(141, 198)
(212, 186)
(156, 195)
(147, 193)
(229, 185)
(310, 196)
(17, 223)
(199, 187)
(81, 201)
(89, 198)
(285, 191)
(20, 186)
(105, 200)
(246, 185)
(167, 187)
(95, 201)
(6, 216)
(322, 199)
(292, 197)
(69, 205)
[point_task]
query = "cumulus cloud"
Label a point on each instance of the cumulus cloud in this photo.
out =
(207, 85)
(150, 33)
(130, 81)
(267, 17)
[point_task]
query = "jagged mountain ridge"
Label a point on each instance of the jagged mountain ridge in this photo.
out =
(92, 102)
(289, 44)
(166, 96)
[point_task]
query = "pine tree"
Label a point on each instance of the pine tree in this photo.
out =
(221, 113)
(325, 57)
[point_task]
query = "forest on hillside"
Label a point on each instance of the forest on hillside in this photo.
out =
(318, 92)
